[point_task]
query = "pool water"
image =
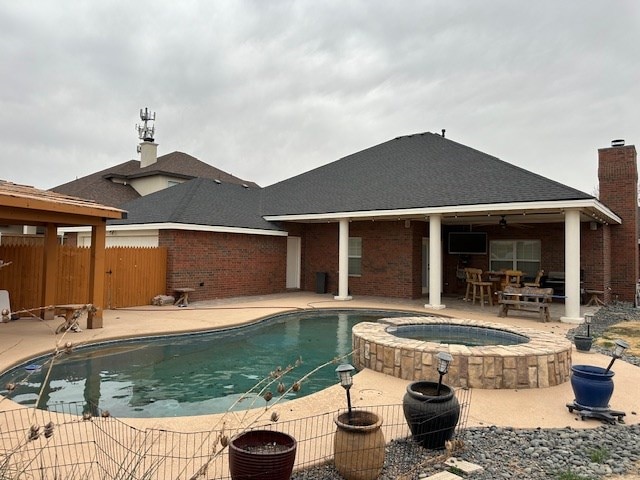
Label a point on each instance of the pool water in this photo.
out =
(471, 336)
(191, 374)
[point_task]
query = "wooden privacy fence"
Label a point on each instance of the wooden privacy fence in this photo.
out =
(133, 275)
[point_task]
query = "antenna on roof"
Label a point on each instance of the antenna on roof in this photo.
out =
(443, 130)
(146, 131)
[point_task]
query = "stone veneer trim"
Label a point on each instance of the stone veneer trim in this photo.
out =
(544, 361)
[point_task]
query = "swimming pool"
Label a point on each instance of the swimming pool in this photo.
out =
(191, 374)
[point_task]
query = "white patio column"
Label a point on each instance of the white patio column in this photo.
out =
(435, 262)
(571, 267)
(343, 261)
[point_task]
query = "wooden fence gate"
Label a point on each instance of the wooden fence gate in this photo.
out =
(133, 275)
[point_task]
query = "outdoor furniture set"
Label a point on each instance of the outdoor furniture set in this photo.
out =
(511, 291)
(529, 299)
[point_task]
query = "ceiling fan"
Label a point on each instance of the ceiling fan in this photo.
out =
(503, 224)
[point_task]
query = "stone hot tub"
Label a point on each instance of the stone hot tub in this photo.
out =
(511, 357)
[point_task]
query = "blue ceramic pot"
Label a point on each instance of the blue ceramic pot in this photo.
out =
(592, 386)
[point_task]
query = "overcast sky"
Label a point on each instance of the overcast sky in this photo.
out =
(268, 89)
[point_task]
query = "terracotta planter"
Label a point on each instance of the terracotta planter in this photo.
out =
(262, 455)
(358, 445)
(432, 418)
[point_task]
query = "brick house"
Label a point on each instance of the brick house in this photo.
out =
(399, 219)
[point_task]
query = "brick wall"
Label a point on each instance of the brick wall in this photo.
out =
(391, 257)
(595, 257)
(618, 176)
(320, 254)
(222, 265)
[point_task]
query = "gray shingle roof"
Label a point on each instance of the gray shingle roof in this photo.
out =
(96, 187)
(182, 164)
(99, 187)
(414, 171)
(199, 202)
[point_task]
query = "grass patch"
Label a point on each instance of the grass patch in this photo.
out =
(569, 475)
(627, 331)
(599, 455)
(456, 471)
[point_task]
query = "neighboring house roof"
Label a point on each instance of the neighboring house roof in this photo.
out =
(96, 187)
(199, 202)
(100, 187)
(413, 171)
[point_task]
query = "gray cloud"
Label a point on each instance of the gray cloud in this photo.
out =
(267, 90)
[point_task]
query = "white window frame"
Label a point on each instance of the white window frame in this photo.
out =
(355, 256)
(534, 247)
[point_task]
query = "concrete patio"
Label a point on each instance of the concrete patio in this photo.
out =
(538, 407)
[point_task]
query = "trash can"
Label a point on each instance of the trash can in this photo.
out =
(321, 282)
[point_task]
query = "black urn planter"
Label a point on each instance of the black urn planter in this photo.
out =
(262, 455)
(582, 342)
(432, 417)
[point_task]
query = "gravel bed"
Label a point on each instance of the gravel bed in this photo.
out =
(527, 454)
(605, 317)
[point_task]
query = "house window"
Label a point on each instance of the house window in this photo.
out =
(355, 256)
(523, 255)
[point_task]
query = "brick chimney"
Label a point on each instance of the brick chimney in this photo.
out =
(618, 185)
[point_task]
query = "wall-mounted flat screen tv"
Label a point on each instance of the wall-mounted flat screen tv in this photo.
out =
(468, 243)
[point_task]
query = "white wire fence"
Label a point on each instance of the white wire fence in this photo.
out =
(71, 444)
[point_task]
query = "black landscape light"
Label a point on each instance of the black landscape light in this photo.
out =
(444, 359)
(588, 318)
(344, 371)
(619, 349)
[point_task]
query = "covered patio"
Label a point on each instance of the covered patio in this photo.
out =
(572, 215)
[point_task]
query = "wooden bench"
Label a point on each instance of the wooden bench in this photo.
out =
(528, 299)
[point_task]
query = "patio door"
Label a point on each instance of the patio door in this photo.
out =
(425, 264)
(293, 262)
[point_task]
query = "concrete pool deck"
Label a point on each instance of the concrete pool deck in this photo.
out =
(527, 408)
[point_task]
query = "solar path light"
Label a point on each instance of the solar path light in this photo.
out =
(444, 359)
(344, 372)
